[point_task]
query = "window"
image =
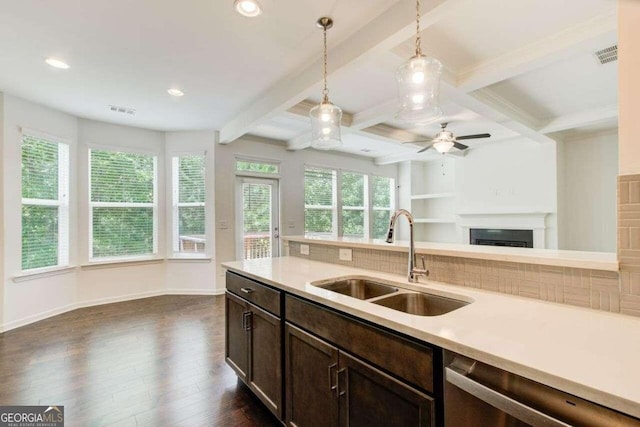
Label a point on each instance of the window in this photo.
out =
(383, 202)
(45, 203)
(123, 210)
(355, 212)
(320, 207)
(188, 204)
(365, 203)
(257, 167)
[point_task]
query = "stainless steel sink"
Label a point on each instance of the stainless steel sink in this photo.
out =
(360, 288)
(421, 304)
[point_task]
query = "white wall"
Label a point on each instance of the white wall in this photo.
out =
(34, 298)
(192, 276)
(291, 185)
(112, 283)
(2, 223)
(25, 300)
(587, 213)
(515, 175)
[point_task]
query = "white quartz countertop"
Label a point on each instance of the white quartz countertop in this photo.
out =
(593, 355)
(554, 257)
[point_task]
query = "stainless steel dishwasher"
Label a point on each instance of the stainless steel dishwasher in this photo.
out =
(479, 395)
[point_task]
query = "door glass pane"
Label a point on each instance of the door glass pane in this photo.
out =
(256, 217)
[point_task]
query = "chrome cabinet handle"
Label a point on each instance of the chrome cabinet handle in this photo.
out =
(247, 290)
(504, 403)
(333, 386)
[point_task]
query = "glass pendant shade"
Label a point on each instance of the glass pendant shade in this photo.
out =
(325, 126)
(418, 82)
(443, 146)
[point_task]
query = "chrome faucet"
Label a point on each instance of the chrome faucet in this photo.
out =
(413, 272)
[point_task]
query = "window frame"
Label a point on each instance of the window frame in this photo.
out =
(336, 218)
(393, 200)
(338, 206)
(61, 203)
(91, 204)
(366, 208)
(256, 174)
(174, 159)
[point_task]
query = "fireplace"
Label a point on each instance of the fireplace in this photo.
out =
(501, 237)
(504, 219)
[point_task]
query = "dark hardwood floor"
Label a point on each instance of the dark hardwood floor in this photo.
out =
(150, 362)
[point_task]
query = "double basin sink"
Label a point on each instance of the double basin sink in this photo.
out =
(387, 295)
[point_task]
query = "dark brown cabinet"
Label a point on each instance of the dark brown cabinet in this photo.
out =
(329, 387)
(237, 337)
(311, 371)
(254, 341)
(338, 370)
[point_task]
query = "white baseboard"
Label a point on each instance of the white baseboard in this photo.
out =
(100, 301)
(194, 292)
(36, 317)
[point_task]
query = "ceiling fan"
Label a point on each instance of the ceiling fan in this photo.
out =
(445, 140)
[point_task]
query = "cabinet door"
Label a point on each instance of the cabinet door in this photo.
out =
(369, 397)
(265, 372)
(311, 373)
(237, 336)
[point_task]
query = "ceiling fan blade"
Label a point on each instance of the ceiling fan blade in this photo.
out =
(418, 141)
(480, 135)
(425, 148)
(460, 146)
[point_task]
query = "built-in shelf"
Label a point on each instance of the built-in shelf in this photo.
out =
(433, 196)
(434, 221)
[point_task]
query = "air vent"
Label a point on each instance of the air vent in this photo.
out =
(606, 55)
(123, 110)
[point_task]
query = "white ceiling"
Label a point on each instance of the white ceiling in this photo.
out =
(514, 69)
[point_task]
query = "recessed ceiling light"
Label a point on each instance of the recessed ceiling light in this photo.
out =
(56, 63)
(175, 92)
(250, 8)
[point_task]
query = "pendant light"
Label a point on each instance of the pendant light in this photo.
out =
(418, 82)
(325, 117)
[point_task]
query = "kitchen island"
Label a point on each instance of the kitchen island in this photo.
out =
(589, 354)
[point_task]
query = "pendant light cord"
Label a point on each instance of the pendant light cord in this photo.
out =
(325, 91)
(418, 48)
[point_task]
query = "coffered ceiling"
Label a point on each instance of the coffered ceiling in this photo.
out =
(514, 69)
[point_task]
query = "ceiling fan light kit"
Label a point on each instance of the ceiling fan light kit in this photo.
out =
(325, 117)
(418, 82)
(445, 140)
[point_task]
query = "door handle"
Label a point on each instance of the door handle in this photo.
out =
(344, 391)
(333, 386)
(247, 320)
(504, 403)
(247, 290)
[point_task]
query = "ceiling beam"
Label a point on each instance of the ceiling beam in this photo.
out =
(389, 29)
(583, 118)
(578, 38)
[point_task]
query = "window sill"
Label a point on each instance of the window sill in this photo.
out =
(96, 265)
(190, 258)
(40, 273)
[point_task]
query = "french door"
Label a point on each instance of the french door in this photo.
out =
(257, 212)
